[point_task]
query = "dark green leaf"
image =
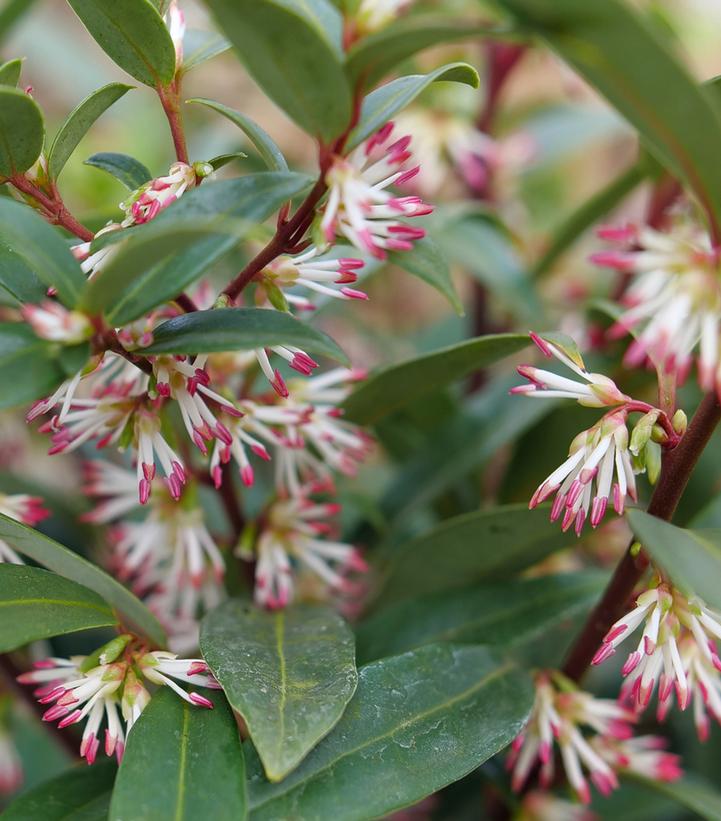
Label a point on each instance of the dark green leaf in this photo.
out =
(289, 674)
(506, 613)
(417, 722)
(239, 329)
(182, 763)
(18, 279)
(134, 614)
(268, 150)
(36, 604)
(21, 131)
(479, 546)
(10, 72)
(132, 33)
(691, 792)
(613, 48)
(385, 102)
(692, 558)
(42, 248)
(292, 49)
(29, 367)
(129, 171)
(399, 385)
(426, 261)
(78, 122)
(201, 46)
(79, 794)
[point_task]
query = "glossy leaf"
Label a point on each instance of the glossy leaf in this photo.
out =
(52, 555)
(293, 51)
(615, 50)
(79, 794)
(21, 131)
(78, 123)
(691, 793)
(42, 248)
(507, 613)
(132, 33)
(181, 763)
(29, 367)
(201, 46)
(18, 279)
(129, 171)
(239, 329)
(270, 153)
(427, 262)
(399, 385)
(289, 674)
(691, 558)
(480, 546)
(36, 604)
(385, 102)
(417, 722)
(10, 72)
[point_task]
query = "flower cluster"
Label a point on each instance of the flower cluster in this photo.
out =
(22, 508)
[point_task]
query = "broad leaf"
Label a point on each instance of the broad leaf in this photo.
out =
(18, 280)
(289, 674)
(129, 171)
(42, 248)
(292, 48)
(691, 558)
(272, 155)
(21, 131)
(417, 722)
(691, 793)
(78, 122)
(613, 48)
(201, 46)
(132, 33)
(399, 385)
(132, 612)
(79, 794)
(239, 329)
(506, 613)
(36, 604)
(427, 262)
(385, 102)
(480, 546)
(10, 72)
(182, 763)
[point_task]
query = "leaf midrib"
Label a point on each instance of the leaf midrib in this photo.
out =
(183, 763)
(62, 602)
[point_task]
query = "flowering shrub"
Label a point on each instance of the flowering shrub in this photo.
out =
(318, 568)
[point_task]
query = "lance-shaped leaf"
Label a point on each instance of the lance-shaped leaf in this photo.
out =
(182, 763)
(292, 48)
(201, 46)
(289, 674)
(10, 72)
(127, 170)
(506, 613)
(239, 329)
(416, 723)
(78, 122)
(18, 280)
(45, 551)
(42, 248)
(272, 155)
(691, 558)
(79, 794)
(385, 102)
(36, 604)
(132, 33)
(21, 131)
(398, 385)
(616, 51)
(478, 546)
(691, 792)
(427, 262)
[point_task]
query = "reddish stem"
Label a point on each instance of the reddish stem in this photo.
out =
(53, 207)
(170, 100)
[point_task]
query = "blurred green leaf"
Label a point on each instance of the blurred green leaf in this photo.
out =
(36, 604)
(385, 102)
(18, 279)
(292, 48)
(427, 262)
(129, 171)
(201, 46)
(50, 554)
(22, 131)
(289, 674)
(181, 763)
(42, 248)
(132, 33)
(691, 792)
(398, 385)
(11, 13)
(416, 723)
(239, 329)
(272, 155)
(10, 72)
(78, 123)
